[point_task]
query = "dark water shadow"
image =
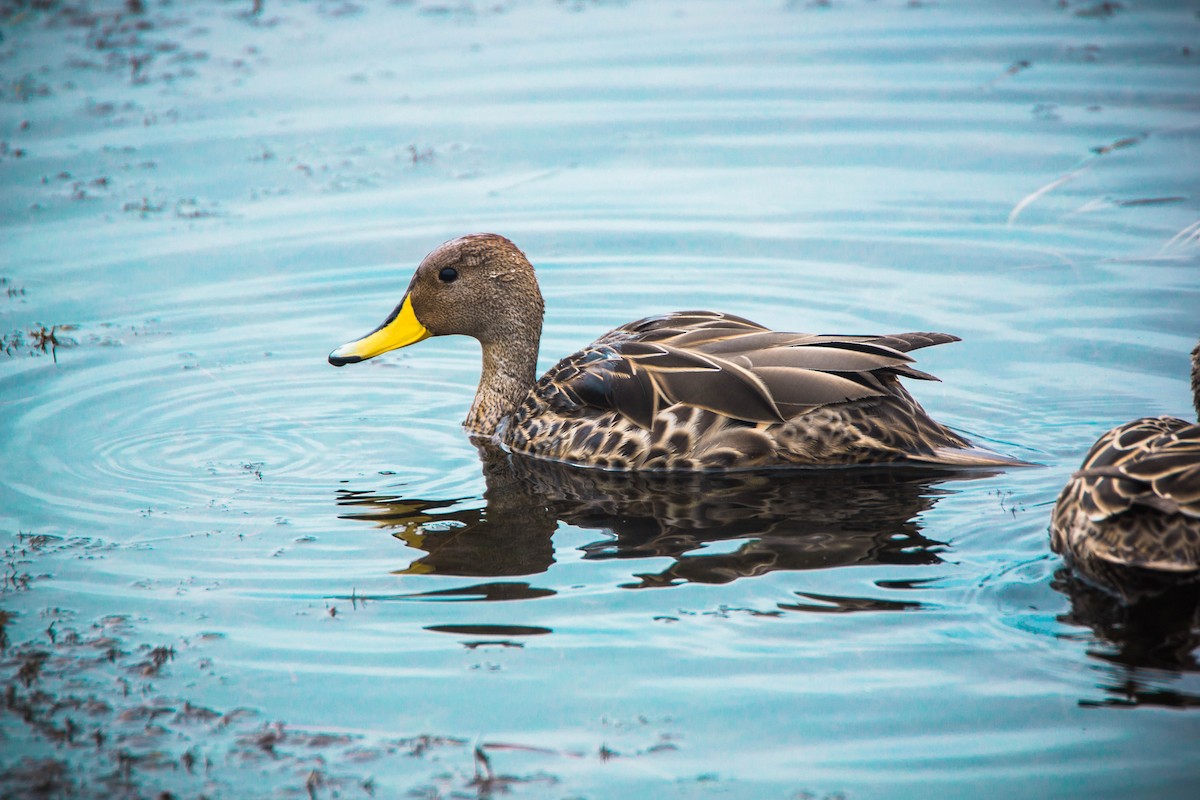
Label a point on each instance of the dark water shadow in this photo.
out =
(1144, 646)
(796, 520)
(815, 519)
(510, 536)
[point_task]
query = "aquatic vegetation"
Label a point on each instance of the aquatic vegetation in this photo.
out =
(37, 340)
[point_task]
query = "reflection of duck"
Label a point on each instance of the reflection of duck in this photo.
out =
(1129, 519)
(687, 391)
(1143, 643)
(780, 521)
(510, 536)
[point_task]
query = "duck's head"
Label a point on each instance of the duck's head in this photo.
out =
(479, 285)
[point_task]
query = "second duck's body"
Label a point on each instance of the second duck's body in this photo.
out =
(1129, 519)
(687, 391)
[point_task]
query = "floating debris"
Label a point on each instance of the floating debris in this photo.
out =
(145, 207)
(1119, 144)
(37, 340)
(1102, 10)
(10, 289)
(1013, 69)
(1150, 201)
(1085, 165)
(11, 152)
(420, 155)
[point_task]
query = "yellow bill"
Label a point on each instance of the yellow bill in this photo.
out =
(401, 329)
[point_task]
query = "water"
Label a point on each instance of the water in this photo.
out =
(237, 571)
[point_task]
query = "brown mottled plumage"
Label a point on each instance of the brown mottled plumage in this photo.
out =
(688, 391)
(1129, 518)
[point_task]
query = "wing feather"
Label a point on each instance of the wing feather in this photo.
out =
(1152, 462)
(904, 342)
(718, 385)
(734, 367)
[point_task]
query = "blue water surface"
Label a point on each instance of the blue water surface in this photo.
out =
(233, 571)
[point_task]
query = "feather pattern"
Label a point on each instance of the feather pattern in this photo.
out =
(701, 390)
(1129, 518)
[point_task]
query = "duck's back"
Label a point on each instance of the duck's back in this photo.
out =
(1135, 502)
(701, 390)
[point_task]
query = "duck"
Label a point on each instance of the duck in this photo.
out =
(1128, 520)
(687, 391)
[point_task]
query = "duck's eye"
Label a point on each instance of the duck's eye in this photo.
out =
(448, 275)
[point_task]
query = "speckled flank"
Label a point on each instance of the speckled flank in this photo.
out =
(686, 438)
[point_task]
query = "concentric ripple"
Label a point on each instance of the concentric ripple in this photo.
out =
(216, 406)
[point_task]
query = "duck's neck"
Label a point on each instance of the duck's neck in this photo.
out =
(509, 372)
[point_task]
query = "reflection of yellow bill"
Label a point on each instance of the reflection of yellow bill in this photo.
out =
(401, 329)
